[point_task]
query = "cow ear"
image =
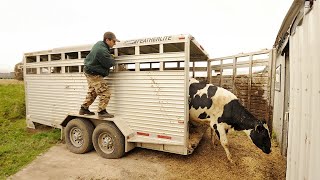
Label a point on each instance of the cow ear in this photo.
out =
(259, 127)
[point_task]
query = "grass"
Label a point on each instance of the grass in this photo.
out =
(18, 144)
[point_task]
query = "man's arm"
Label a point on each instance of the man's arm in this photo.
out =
(106, 59)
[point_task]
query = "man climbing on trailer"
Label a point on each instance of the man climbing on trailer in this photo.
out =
(97, 65)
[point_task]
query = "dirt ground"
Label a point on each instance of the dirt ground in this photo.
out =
(10, 81)
(206, 162)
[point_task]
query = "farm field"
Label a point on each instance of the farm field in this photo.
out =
(19, 145)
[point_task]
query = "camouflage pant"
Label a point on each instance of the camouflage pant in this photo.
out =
(97, 86)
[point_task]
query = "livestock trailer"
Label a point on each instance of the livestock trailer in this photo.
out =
(149, 86)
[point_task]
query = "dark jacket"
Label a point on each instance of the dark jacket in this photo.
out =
(99, 60)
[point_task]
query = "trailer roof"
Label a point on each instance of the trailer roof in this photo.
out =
(195, 47)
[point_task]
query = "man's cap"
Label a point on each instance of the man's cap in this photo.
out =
(110, 35)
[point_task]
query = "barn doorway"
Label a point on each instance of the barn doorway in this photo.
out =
(284, 142)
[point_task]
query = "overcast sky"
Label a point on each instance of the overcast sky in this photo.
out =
(222, 27)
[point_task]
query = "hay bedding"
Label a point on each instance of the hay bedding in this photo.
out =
(210, 162)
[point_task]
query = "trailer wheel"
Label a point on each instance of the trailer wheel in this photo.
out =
(108, 141)
(78, 136)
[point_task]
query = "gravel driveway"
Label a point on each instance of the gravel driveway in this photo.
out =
(207, 162)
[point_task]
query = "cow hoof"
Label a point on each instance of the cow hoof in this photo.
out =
(214, 145)
(231, 162)
(192, 146)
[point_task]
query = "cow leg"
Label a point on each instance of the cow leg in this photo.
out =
(214, 137)
(224, 141)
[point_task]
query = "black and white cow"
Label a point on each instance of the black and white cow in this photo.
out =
(222, 110)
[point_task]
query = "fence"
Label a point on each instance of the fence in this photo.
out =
(248, 76)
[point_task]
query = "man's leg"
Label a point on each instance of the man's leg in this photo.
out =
(91, 96)
(104, 94)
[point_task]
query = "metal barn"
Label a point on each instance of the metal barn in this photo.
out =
(297, 89)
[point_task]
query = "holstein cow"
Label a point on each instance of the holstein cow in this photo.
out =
(222, 111)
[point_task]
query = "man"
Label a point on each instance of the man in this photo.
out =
(97, 65)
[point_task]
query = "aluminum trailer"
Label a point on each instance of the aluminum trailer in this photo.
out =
(149, 87)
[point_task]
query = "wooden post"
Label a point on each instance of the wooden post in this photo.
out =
(270, 87)
(250, 83)
(234, 75)
(220, 82)
(209, 76)
(193, 69)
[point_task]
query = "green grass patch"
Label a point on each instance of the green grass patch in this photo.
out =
(18, 144)
(12, 102)
(274, 136)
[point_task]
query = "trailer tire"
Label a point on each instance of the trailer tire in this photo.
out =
(78, 136)
(108, 141)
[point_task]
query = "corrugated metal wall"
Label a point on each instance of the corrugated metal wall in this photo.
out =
(303, 160)
(50, 97)
(150, 101)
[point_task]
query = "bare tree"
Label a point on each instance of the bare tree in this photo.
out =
(18, 71)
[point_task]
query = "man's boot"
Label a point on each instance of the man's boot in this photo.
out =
(105, 114)
(85, 111)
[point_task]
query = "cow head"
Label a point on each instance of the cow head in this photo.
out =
(260, 137)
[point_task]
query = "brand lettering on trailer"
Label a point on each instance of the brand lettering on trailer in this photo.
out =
(148, 40)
